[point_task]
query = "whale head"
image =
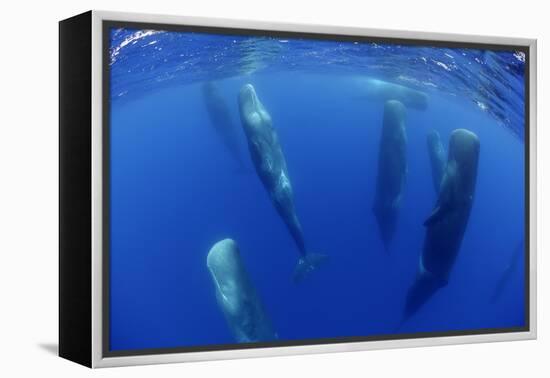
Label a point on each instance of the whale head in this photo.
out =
(211, 94)
(236, 296)
(248, 90)
(253, 113)
(464, 147)
(223, 264)
(248, 97)
(394, 113)
(464, 153)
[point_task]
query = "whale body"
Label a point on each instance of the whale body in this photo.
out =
(220, 118)
(392, 170)
(447, 223)
(436, 151)
(236, 296)
(270, 164)
(380, 90)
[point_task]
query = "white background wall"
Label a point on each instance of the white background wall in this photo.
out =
(29, 174)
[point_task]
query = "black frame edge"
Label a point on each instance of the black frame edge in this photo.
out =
(75, 177)
(527, 186)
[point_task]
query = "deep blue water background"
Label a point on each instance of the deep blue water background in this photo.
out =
(175, 189)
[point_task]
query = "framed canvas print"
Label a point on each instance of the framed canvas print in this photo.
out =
(237, 189)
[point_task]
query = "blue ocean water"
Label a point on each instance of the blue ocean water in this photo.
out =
(176, 190)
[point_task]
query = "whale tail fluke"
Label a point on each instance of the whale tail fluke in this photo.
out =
(424, 287)
(308, 263)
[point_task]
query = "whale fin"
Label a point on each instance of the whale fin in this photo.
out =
(447, 196)
(424, 287)
(307, 264)
(437, 214)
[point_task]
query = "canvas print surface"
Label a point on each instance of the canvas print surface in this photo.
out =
(271, 190)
